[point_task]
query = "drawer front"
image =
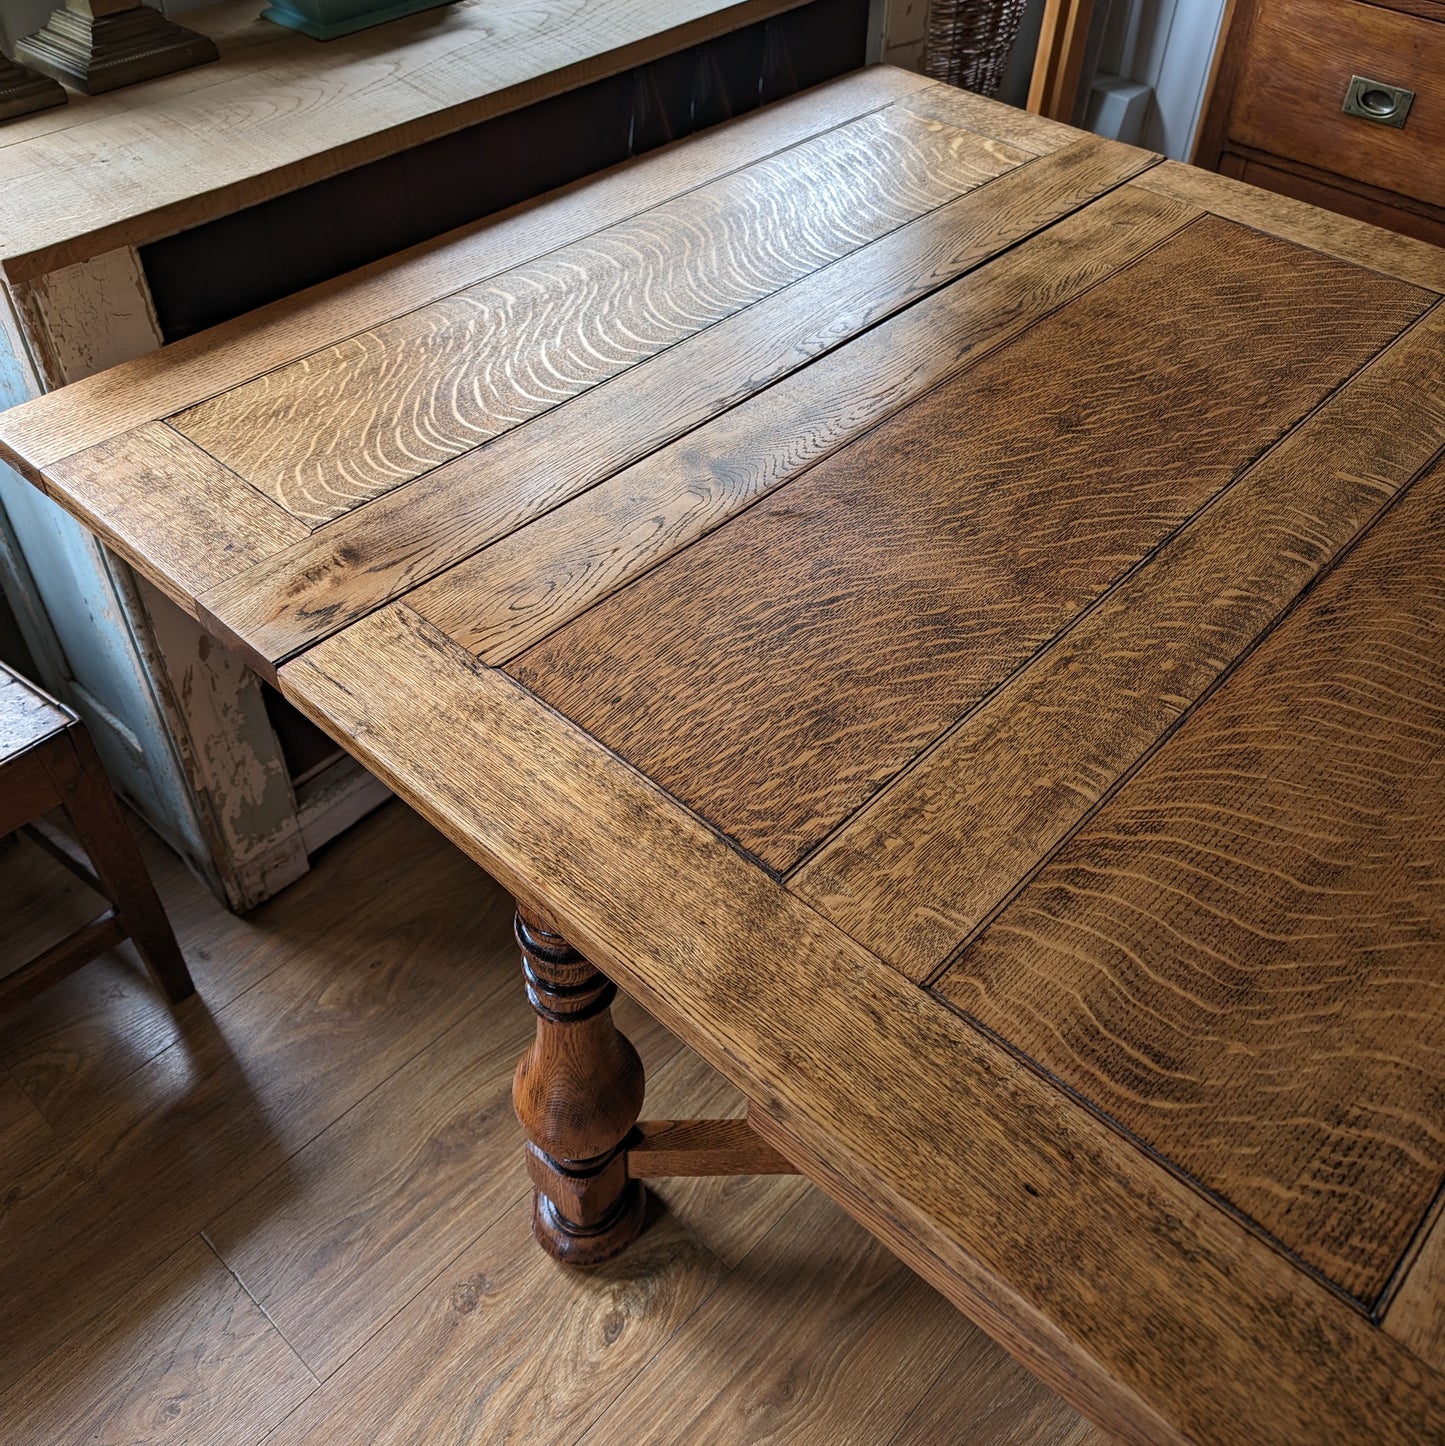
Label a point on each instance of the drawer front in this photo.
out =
(1301, 56)
(1337, 198)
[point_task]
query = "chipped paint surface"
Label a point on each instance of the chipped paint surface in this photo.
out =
(17, 384)
(92, 663)
(905, 26)
(17, 379)
(95, 314)
(66, 600)
(246, 787)
(210, 775)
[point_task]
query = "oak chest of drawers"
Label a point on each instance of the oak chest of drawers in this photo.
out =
(1337, 102)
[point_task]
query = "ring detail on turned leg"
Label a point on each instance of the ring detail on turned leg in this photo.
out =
(578, 1091)
(575, 1244)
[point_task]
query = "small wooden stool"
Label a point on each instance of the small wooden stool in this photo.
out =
(47, 758)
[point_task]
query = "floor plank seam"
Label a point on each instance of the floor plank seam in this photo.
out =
(229, 1202)
(402, 1304)
(74, 1342)
(126, 952)
(923, 1396)
(246, 1291)
(179, 1322)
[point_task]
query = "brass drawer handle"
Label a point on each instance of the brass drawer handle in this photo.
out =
(1377, 100)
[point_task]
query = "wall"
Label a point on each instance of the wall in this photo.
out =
(899, 27)
(1167, 45)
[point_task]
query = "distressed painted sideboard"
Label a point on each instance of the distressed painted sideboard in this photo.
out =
(219, 195)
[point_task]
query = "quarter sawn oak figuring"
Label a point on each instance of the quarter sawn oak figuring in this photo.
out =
(947, 611)
(347, 424)
(1031, 512)
(1287, 1047)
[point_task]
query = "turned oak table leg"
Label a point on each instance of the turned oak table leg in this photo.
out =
(578, 1092)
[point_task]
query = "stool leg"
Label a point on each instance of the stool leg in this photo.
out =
(100, 826)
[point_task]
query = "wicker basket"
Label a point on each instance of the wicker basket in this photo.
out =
(969, 42)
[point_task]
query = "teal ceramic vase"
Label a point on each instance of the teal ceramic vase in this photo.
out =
(326, 19)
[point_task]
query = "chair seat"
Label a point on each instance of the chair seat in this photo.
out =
(47, 760)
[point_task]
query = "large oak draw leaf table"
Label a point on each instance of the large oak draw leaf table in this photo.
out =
(950, 613)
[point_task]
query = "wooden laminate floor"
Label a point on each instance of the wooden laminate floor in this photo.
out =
(296, 1210)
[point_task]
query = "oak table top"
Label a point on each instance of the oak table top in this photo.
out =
(948, 611)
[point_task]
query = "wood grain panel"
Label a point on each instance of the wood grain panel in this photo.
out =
(379, 551)
(332, 431)
(1088, 1259)
(188, 371)
(175, 514)
(1239, 957)
(1340, 236)
(517, 591)
(1379, 208)
(844, 622)
(1297, 69)
(986, 117)
(934, 853)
